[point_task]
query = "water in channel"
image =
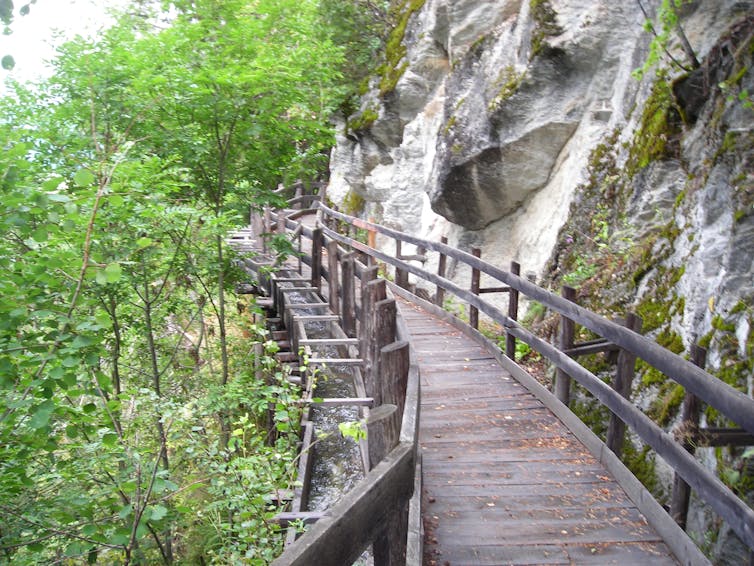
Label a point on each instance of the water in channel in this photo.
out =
(337, 463)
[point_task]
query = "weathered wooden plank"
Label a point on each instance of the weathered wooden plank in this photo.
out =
(343, 402)
(302, 306)
(336, 361)
(598, 554)
(329, 342)
(296, 289)
(284, 519)
(315, 317)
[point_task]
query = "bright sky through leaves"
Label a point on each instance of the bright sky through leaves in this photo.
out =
(48, 23)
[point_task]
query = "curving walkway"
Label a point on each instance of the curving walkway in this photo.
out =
(505, 482)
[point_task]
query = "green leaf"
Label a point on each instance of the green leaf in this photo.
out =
(83, 178)
(111, 274)
(158, 512)
(8, 62)
(110, 439)
(81, 341)
(6, 11)
(52, 184)
(42, 414)
(144, 242)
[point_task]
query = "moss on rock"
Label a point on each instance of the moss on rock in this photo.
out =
(395, 50)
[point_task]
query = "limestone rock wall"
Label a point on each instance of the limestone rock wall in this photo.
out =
(487, 131)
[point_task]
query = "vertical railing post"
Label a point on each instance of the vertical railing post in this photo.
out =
(689, 431)
(348, 305)
(266, 223)
(624, 376)
(394, 368)
(371, 236)
(333, 286)
(401, 276)
(298, 194)
(379, 334)
(300, 254)
(317, 241)
(441, 267)
(510, 340)
(365, 331)
(475, 279)
(567, 331)
(365, 318)
(256, 224)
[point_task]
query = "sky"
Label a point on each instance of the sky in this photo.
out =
(33, 37)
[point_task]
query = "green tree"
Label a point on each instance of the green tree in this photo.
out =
(120, 176)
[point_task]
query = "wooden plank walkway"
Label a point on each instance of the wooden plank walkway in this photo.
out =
(505, 482)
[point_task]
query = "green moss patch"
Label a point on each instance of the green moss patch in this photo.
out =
(545, 25)
(509, 82)
(395, 50)
(658, 134)
(363, 121)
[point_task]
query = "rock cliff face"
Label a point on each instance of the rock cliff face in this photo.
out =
(516, 126)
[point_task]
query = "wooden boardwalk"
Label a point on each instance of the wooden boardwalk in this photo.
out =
(505, 482)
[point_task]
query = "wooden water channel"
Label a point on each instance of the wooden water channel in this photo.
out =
(470, 460)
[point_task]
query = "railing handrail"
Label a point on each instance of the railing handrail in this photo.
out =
(733, 404)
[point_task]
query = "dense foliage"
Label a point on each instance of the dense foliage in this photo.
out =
(136, 423)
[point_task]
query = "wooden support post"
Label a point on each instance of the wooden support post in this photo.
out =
(689, 431)
(276, 306)
(510, 341)
(333, 285)
(624, 376)
(297, 195)
(383, 333)
(383, 434)
(348, 307)
(475, 278)
(256, 224)
(266, 223)
(441, 267)
(567, 331)
(317, 242)
(401, 276)
(281, 222)
(371, 236)
(365, 319)
(300, 255)
(394, 367)
(378, 334)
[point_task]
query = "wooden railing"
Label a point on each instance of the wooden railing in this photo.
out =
(732, 404)
(383, 510)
